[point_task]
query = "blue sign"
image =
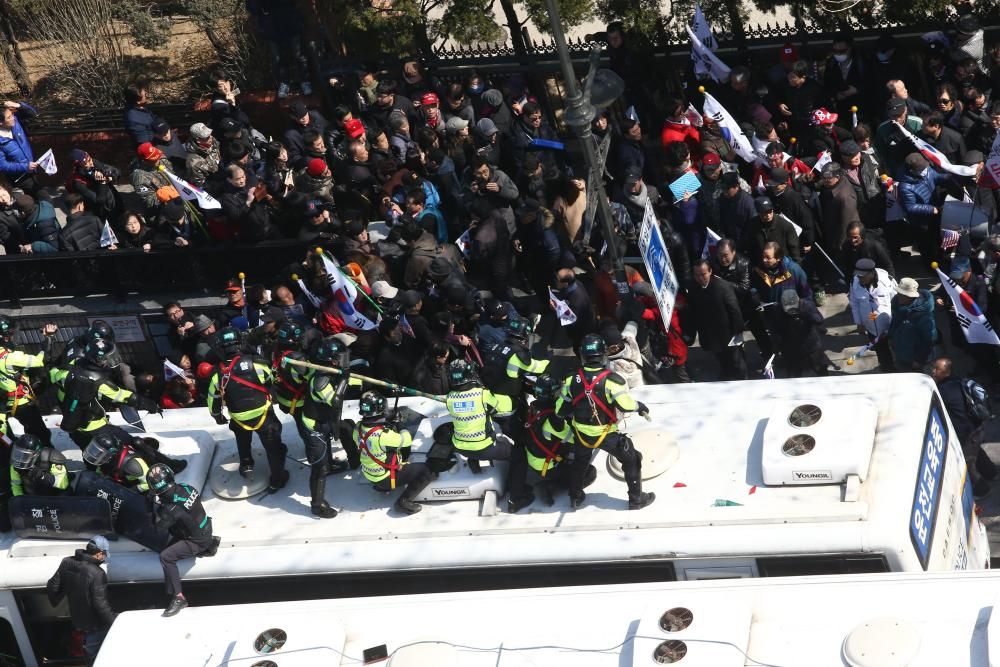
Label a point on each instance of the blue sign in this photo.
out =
(927, 494)
(658, 265)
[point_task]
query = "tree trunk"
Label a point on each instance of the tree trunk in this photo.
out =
(423, 42)
(11, 52)
(514, 27)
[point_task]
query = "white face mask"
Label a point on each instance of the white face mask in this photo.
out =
(840, 57)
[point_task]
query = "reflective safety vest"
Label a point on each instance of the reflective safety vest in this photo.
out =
(590, 398)
(474, 430)
(242, 386)
(291, 382)
(505, 364)
(55, 481)
(324, 401)
(379, 447)
(545, 440)
(16, 389)
(81, 389)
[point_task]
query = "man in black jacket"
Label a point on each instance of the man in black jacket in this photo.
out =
(718, 320)
(734, 268)
(81, 579)
(969, 431)
(860, 245)
(82, 232)
(302, 119)
(769, 227)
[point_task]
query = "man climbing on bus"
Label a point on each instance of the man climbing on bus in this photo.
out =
(385, 449)
(37, 469)
(590, 401)
(177, 509)
(242, 383)
(19, 400)
(83, 389)
(472, 431)
(320, 418)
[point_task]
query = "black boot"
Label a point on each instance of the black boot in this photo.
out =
(407, 506)
(544, 490)
(177, 465)
(337, 465)
(246, 469)
(212, 550)
(317, 488)
(576, 501)
(515, 505)
(279, 483)
(590, 476)
(643, 499)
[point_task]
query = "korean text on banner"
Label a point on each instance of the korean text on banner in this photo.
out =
(657, 260)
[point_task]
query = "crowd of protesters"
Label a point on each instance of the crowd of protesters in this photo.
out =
(481, 210)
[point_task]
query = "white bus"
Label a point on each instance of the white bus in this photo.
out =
(840, 475)
(871, 620)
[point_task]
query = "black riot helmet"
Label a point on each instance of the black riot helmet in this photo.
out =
(8, 329)
(518, 328)
(101, 449)
(593, 350)
(160, 479)
(26, 451)
(97, 353)
(372, 405)
(101, 330)
(228, 343)
(289, 334)
(546, 387)
(328, 352)
(462, 374)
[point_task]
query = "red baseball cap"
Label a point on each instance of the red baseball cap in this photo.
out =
(711, 161)
(316, 167)
(823, 117)
(429, 100)
(148, 151)
(789, 53)
(354, 128)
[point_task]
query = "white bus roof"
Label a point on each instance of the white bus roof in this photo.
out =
(721, 430)
(885, 620)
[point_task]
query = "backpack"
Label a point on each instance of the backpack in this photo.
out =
(80, 393)
(977, 401)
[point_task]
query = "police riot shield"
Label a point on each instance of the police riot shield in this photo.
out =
(60, 517)
(130, 514)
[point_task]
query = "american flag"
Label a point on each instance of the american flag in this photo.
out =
(949, 239)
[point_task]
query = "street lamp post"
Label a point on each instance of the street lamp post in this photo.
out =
(578, 117)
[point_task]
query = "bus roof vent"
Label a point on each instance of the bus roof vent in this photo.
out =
(672, 631)
(818, 440)
(882, 642)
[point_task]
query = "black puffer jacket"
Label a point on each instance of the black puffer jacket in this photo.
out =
(81, 233)
(81, 579)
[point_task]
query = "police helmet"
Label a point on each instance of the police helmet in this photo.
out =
(8, 329)
(101, 330)
(227, 342)
(100, 450)
(97, 352)
(593, 350)
(26, 451)
(372, 405)
(160, 478)
(462, 374)
(518, 328)
(328, 352)
(290, 334)
(546, 387)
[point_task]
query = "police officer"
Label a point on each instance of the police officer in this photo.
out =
(177, 508)
(37, 469)
(321, 419)
(19, 399)
(242, 383)
(547, 434)
(506, 363)
(471, 407)
(384, 452)
(589, 401)
(118, 371)
(290, 382)
(83, 385)
(127, 459)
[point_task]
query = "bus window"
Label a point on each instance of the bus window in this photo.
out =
(798, 566)
(715, 568)
(10, 654)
